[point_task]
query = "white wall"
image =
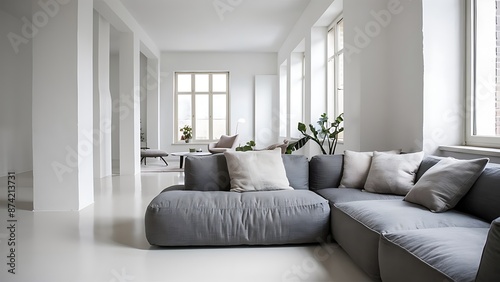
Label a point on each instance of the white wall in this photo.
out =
(383, 75)
(114, 87)
(242, 69)
(144, 94)
(16, 152)
(444, 73)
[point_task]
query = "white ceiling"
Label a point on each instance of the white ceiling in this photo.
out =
(196, 25)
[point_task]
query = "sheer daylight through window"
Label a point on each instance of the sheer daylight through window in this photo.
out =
(484, 99)
(202, 103)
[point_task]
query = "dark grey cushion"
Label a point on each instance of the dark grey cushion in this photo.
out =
(483, 198)
(437, 254)
(206, 173)
(325, 171)
(297, 171)
(342, 195)
(188, 218)
(489, 269)
(366, 220)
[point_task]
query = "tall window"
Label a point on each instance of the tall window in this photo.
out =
(292, 91)
(202, 102)
(483, 119)
(336, 69)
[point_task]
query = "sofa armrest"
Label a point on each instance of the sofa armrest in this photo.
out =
(488, 267)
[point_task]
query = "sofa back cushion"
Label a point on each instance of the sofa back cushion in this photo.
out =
(206, 173)
(325, 171)
(210, 173)
(297, 171)
(483, 197)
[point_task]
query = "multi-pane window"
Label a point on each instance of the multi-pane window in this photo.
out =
(202, 103)
(336, 70)
(483, 122)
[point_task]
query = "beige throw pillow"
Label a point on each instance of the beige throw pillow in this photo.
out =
(256, 171)
(393, 174)
(443, 185)
(356, 168)
(226, 141)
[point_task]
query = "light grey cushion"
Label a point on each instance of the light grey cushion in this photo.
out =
(336, 195)
(206, 173)
(444, 184)
(256, 171)
(297, 171)
(366, 220)
(393, 174)
(193, 218)
(437, 254)
(356, 168)
(489, 269)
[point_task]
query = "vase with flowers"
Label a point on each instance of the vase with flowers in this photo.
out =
(187, 133)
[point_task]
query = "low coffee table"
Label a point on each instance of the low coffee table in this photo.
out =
(185, 154)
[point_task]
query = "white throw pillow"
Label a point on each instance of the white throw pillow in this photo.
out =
(393, 174)
(442, 186)
(356, 168)
(256, 171)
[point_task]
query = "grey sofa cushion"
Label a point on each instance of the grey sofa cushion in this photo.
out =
(342, 195)
(209, 173)
(188, 218)
(297, 171)
(366, 220)
(490, 259)
(444, 184)
(483, 198)
(325, 171)
(437, 254)
(206, 173)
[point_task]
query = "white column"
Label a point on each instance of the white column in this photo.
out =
(102, 99)
(129, 104)
(62, 110)
(153, 103)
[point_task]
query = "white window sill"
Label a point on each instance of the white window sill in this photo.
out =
(482, 151)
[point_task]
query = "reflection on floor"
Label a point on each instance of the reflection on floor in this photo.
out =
(106, 242)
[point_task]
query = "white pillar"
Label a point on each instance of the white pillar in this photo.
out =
(129, 104)
(153, 103)
(62, 110)
(102, 99)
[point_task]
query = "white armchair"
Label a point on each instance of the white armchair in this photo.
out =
(225, 143)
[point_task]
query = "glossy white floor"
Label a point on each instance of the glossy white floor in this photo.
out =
(106, 242)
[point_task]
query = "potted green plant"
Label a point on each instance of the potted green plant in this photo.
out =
(326, 134)
(187, 133)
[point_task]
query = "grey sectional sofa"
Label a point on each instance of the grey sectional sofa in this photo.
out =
(394, 240)
(390, 239)
(204, 212)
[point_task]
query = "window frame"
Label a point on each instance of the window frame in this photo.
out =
(177, 134)
(334, 107)
(470, 138)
